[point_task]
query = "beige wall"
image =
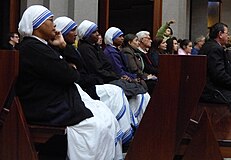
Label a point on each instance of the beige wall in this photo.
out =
(179, 11)
(75, 9)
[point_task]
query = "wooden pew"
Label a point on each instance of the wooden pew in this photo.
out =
(17, 138)
(220, 118)
(166, 120)
(14, 136)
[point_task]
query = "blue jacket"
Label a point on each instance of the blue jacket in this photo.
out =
(117, 60)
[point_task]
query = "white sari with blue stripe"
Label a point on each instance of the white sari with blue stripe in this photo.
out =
(98, 137)
(114, 97)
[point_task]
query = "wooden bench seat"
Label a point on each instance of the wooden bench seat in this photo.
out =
(41, 134)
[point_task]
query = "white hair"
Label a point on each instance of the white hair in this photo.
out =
(142, 34)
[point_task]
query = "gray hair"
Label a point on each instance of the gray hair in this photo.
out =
(142, 34)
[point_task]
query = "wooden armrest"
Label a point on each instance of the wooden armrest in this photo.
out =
(41, 134)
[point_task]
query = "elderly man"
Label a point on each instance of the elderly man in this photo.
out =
(49, 96)
(112, 95)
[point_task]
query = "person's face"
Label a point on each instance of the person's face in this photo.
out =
(134, 43)
(71, 36)
(118, 41)
(15, 38)
(163, 45)
(201, 42)
(175, 45)
(188, 48)
(224, 36)
(100, 40)
(167, 32)
(146, 41)
(94, 37)
(47, 30)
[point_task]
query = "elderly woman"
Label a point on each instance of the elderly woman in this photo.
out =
(49, 96)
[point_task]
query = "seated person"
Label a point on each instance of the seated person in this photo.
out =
(49, 96)
(185, 47)
(165, 31)
(98, 64)
(218, 85)
(12, 41)
(144, 47)
(112, 95)
(198, 43)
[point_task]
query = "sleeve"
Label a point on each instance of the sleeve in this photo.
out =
(161, 30)
(131, 63)
(216, 67)
(46, 62)
(93, 65)
(119, 67)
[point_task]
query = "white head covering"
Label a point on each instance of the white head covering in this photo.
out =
(32, 18)
(86, 28)
(111, 34)
(64, 25)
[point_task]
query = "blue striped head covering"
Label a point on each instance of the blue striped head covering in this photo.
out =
(86, 28)
(64, 25)
(111, 34)
(33, 17)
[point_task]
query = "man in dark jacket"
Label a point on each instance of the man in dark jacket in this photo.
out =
(218, 86)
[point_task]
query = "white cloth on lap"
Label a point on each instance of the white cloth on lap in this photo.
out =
(138, 105)
(114, 97)
(96, 138)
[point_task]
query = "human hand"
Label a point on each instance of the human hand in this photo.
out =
(125, 77)
(150, 76)
(171, 22)
(58, 40)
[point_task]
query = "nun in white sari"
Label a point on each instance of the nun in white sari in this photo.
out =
(113, 96)
(95, 138)
(137, 103)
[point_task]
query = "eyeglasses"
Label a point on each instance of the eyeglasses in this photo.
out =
(16, 36)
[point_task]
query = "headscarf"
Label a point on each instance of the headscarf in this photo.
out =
(33, 18)
(111, 34)
(86, 28)
(64, 25)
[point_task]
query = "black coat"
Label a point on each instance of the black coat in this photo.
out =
(87, 80)
(96, 62)
(218, 72)
(46, 87)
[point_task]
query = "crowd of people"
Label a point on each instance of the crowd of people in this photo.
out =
(100, 92)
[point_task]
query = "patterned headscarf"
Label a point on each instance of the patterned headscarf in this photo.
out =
(33, 18)
(86, 28)
(111, 34)
(64, 25)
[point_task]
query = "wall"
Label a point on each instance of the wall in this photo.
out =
(179, 11)
(225, 14)
(75, 9)
(199, 18)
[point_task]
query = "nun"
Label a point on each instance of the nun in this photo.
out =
(99, 64)
(49, 95)
(114, 40)
(112, 95)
